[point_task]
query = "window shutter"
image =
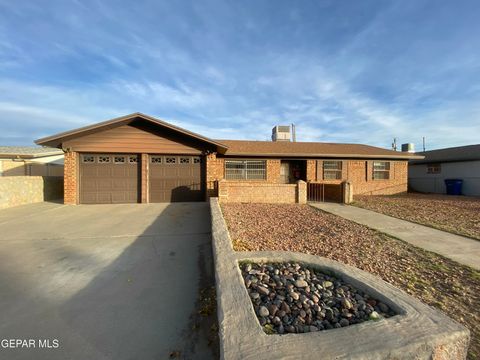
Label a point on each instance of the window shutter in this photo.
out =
(368, 170)
(319, 170)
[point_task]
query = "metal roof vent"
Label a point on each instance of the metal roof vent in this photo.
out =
(281, 133)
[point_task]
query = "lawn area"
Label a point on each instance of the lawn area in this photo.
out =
(456, 214)
(437, 281)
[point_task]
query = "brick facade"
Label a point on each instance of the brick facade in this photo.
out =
(358, 173)
(70, 178)
(273, 171)
(261, 192)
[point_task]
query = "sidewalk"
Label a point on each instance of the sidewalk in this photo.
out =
(458, 248)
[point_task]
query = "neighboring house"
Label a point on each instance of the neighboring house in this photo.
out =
(30, 161)
(463, 162)
(138, 158)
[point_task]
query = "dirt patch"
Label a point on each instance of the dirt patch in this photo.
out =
(437, 281)
(455, 214)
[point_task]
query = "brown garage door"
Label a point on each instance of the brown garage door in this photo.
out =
(109, 178)
(175, 178)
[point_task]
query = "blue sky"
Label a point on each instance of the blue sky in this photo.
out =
(342, 71)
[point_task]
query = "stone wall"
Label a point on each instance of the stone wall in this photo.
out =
(20, 190)
(261, 192)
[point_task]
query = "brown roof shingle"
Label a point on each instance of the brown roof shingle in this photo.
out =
(310, 149)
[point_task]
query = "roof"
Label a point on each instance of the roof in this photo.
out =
(243, 147)
(57, 139)
(27, 152)
(310, 149)
(459, 153)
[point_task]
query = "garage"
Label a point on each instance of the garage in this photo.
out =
(109, 178)
(174, 178)
(135, 159)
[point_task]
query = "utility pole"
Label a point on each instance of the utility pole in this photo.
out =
(424, 144)
(394, 144)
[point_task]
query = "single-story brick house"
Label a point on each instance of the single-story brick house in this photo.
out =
(138, 158)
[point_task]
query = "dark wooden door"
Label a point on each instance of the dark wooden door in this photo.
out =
(109, 178)
(174, 178)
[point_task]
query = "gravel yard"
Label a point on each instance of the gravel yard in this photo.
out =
(455, 214)
(437, 281)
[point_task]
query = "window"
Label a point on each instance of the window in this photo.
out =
(245, 169)
(381, 170)
(155, 159)
(434, 168)
(170, 160)
(133, 159)
(88, 158)
(332, 170)
(196, 160)
(119, 159)
(103, 159)
(184, 160)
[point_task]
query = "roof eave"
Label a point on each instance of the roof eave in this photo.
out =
(350, 156)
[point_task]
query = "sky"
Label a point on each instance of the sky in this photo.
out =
(341, 71)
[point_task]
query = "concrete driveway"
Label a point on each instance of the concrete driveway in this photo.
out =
(106, 281)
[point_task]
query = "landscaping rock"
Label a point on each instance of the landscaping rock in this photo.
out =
(289, 305)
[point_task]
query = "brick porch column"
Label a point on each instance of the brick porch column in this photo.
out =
(70, 176)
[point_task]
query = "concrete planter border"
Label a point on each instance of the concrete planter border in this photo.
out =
(417, 332)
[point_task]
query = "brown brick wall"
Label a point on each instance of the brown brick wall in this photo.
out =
(311, 170)
(258, 192)
(273, 171)
(70, 178)
(358, 172)
(214, 172)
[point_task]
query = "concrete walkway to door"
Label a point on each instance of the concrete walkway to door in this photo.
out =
(458, 248)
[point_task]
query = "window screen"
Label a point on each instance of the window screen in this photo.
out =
(332, 170)
(245, 169)
(381, 170)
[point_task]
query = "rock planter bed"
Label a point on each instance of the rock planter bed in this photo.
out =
(416, 331)
(290, 298)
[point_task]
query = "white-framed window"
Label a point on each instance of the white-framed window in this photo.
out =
(184, 160)
(245, 169)
(434, 168)
(332, 170)
(88, 159)
(381, 170)
(170, 160)
(103, 159)
(133, 159)
(119, 159)
(156, 159)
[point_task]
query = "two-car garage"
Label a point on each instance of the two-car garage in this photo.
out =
(134, 159)
(117, 178)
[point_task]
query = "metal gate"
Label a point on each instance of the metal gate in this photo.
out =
(320, 192)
